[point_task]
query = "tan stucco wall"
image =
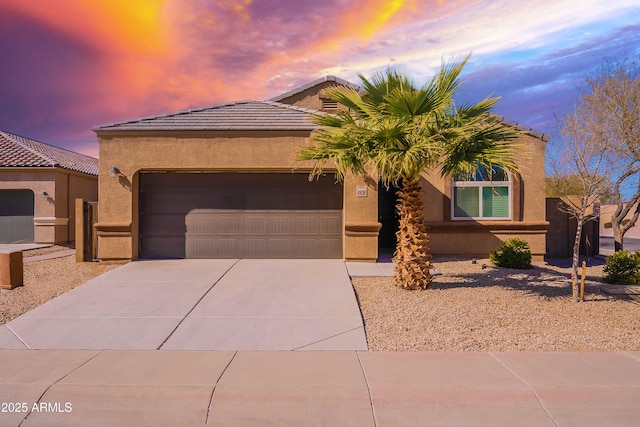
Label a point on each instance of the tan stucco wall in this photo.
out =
(606, 212)
(118, 210)
(308, 98)
(54, 215)
(478, 238)
(244, 151)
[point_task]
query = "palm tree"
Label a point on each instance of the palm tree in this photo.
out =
(395, 132)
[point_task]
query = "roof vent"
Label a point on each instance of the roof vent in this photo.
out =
(329, 104)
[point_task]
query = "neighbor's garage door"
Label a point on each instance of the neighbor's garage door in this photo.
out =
(16, 216)
(239, 215)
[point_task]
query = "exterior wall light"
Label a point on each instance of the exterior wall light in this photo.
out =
(45, 194)
(114, 172)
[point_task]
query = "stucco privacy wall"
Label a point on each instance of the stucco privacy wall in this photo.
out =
(209, 151)
(54, 214)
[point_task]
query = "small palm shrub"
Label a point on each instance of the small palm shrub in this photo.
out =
(623, 267)
(514, 253)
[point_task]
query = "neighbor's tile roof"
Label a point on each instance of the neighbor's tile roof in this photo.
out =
(17, 151)
(245, 115)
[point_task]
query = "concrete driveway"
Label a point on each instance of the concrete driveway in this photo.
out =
(200, 305)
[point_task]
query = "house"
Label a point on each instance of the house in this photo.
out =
(221, 182)
(38, 185)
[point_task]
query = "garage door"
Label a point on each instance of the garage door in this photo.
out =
(16, 216)
(239, 215)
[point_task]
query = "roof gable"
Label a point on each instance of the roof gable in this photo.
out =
(18, 151)
(317, 82)
(245, 115)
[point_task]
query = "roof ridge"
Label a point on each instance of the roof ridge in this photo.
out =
(172, 114)
(291, 107)
(12, 137)
(526, 129)
(231, 110)
(326, 78)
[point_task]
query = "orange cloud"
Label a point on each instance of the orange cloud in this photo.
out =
(112, 25)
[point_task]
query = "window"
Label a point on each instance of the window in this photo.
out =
(482, 195)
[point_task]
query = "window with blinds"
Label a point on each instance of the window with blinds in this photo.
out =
(482, 195)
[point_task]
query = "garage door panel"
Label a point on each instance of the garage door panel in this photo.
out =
(256, 224)
(256, 248)
(250, 215)
(165, 246)
(208, 248)
(16, 216)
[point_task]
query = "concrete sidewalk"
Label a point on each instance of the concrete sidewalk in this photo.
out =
(328, 388)
(200, 305)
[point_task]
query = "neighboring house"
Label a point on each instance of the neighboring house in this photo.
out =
(221, 182)
(38, 186)
(606, 212)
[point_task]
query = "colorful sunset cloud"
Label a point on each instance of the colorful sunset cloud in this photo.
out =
(69, 65)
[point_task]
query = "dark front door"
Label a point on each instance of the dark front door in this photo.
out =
(388, 217)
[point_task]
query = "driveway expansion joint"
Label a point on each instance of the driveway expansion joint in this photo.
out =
(535, 393)
(197, 302)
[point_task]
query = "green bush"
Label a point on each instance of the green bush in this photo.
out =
(623, 267)
(514, 253)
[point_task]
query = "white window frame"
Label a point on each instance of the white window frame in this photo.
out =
(480, 185)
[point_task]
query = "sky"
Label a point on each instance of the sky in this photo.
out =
(67, 66)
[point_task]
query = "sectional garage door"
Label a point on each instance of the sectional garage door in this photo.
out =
(239, 215)
(16, 216)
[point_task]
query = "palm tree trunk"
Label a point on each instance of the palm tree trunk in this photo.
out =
(412, 258)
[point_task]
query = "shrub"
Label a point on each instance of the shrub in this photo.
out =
(623, 267)
(514, 253)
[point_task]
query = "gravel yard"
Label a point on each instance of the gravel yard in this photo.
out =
(469, 308)
(44, 280)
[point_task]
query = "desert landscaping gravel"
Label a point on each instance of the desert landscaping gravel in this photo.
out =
(471, 308)
(44, 280)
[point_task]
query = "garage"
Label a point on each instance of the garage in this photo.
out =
(16, 216)
(239, 215)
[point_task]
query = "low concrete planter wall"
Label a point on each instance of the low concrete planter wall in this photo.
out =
(625, 291)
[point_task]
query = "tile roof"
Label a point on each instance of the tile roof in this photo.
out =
(252, 115)
(309, 85)
(245, 115)
(18, 151)
(526, 129)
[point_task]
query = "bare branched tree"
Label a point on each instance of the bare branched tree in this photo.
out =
(580, 166)
(610, 108)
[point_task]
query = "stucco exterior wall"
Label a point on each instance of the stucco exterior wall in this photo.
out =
(247, 151)
(476, 238)
(213, 151)
(308, 98)
(54, 215)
